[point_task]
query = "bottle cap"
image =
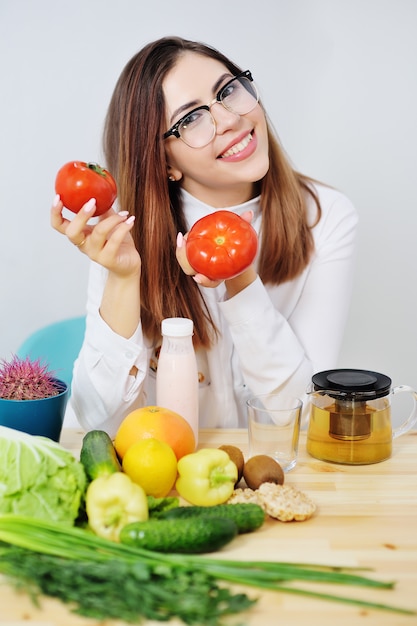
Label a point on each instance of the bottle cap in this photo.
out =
(177, 327)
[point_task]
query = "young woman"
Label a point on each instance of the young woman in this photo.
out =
(185, 136)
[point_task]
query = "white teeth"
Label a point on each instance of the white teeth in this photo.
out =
(238, 147)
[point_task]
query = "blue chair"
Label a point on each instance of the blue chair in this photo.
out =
(56, 345)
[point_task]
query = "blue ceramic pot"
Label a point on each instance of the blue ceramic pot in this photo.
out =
(37, 417)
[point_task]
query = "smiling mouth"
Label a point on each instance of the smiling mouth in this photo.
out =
(238, 147)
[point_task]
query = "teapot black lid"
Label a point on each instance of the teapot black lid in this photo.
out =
(353, 383)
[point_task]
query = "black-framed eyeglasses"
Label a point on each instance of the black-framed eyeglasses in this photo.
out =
(239, 95)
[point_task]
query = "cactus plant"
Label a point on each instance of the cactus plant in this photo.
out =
(26, 379)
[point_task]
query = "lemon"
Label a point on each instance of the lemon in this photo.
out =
(152, 464)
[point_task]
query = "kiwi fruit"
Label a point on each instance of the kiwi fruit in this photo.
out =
(236, 455)
(260, 469)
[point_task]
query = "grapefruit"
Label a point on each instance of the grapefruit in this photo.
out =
(158, 423)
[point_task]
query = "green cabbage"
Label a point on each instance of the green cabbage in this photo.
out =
(39, 478)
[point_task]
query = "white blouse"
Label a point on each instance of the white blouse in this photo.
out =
(271, 338)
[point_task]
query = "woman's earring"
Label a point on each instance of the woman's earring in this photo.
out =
(171, 179)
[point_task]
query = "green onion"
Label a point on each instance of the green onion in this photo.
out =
(153, 581)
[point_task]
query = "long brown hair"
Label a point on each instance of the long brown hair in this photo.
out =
(135, 154)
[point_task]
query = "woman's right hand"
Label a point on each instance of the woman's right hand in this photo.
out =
(109, 242)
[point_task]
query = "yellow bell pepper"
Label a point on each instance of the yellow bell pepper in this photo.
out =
(206, 477)
(112, 502)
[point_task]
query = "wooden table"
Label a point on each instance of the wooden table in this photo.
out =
(366, 516)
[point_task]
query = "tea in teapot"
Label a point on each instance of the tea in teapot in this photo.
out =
(350, 416)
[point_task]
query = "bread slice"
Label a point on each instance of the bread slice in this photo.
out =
(282, 502)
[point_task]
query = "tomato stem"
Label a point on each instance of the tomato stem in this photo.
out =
(96, 168)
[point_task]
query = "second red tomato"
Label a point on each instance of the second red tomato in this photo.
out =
(77, 182)
(221, 245)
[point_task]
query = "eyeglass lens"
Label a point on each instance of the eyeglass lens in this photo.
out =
(238, 96)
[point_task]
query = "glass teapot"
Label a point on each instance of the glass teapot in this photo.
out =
(350, 416)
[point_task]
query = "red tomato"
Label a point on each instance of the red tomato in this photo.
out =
(221, 245)
(77, 182)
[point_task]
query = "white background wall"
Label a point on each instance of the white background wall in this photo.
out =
(338, 78)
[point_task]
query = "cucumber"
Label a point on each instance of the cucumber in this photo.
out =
(98, 455)
(188, 536)
(247, 516)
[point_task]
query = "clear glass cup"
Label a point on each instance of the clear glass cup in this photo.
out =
(274, 427)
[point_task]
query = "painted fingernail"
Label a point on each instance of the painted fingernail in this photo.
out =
(130, 219)
(90, 206)
(56, 200)
(180, 240)
(123, 213)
